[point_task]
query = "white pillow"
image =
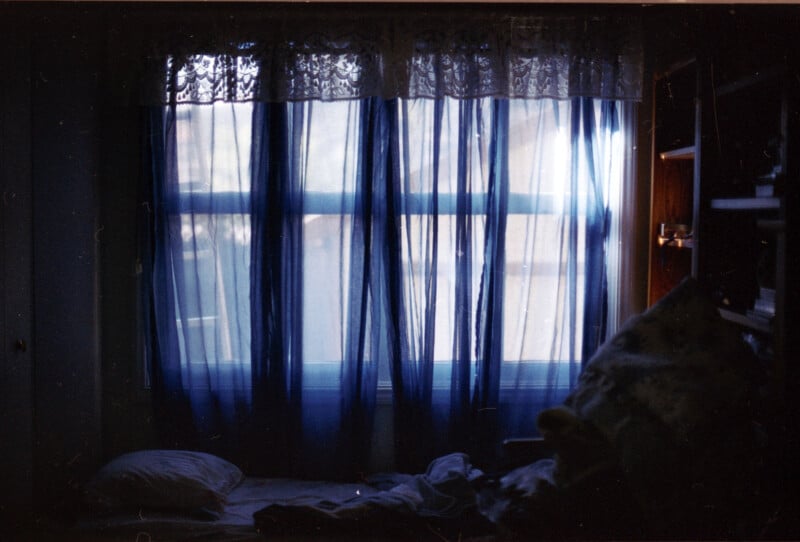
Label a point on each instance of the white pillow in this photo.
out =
(164, 479)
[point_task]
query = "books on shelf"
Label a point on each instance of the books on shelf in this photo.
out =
(767, 293)
(765, 190)
(765, 184)
(764, 306)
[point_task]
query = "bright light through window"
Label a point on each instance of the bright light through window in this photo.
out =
(213, 230)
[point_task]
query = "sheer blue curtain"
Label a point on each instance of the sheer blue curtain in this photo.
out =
(500, 228)
(199, 287)
(317, 244)
(318, 286)
(562, 318)
(450, 184)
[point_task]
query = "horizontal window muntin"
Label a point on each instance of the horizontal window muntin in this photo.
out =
(324, 203)
(523, 374)
(321, 376)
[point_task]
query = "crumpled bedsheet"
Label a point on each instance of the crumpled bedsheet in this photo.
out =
(442, 498)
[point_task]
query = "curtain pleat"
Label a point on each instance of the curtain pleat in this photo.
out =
(175, 421)
(276, 292)
(367, 339)
(193, 293)
(595, 297)
(489, 330)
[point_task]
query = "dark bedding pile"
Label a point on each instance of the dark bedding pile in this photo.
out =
(659, 439)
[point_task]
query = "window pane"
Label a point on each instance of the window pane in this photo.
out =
(539, 155)
(330, 158)
(326, 262)
(330, 141)
(536, 289)
(211, 266)
(214, 147)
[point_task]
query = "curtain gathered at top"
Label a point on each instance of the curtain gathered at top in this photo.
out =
(418, 220)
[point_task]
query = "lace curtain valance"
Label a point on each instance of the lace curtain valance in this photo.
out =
(334, 58)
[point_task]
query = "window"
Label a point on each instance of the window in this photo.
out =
(211, 231)
(342, 207)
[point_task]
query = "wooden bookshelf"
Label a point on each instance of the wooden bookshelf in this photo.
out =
(673, 171)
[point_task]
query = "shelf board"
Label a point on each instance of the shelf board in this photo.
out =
(745, 204)
(742, 320)
(684, 153)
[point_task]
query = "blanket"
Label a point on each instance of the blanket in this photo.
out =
(660, 438)
(442, 500)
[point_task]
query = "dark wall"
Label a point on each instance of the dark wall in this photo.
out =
(127, 413)
(16, 300)
(65, 164)
(69, 154)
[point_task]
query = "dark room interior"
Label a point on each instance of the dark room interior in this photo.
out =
(705, 239)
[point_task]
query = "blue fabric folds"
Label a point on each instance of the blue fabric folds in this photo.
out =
(309, 258)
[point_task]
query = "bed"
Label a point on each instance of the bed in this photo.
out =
(663, 437)
(154, 495)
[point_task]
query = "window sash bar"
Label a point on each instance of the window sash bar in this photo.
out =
(323, 203)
